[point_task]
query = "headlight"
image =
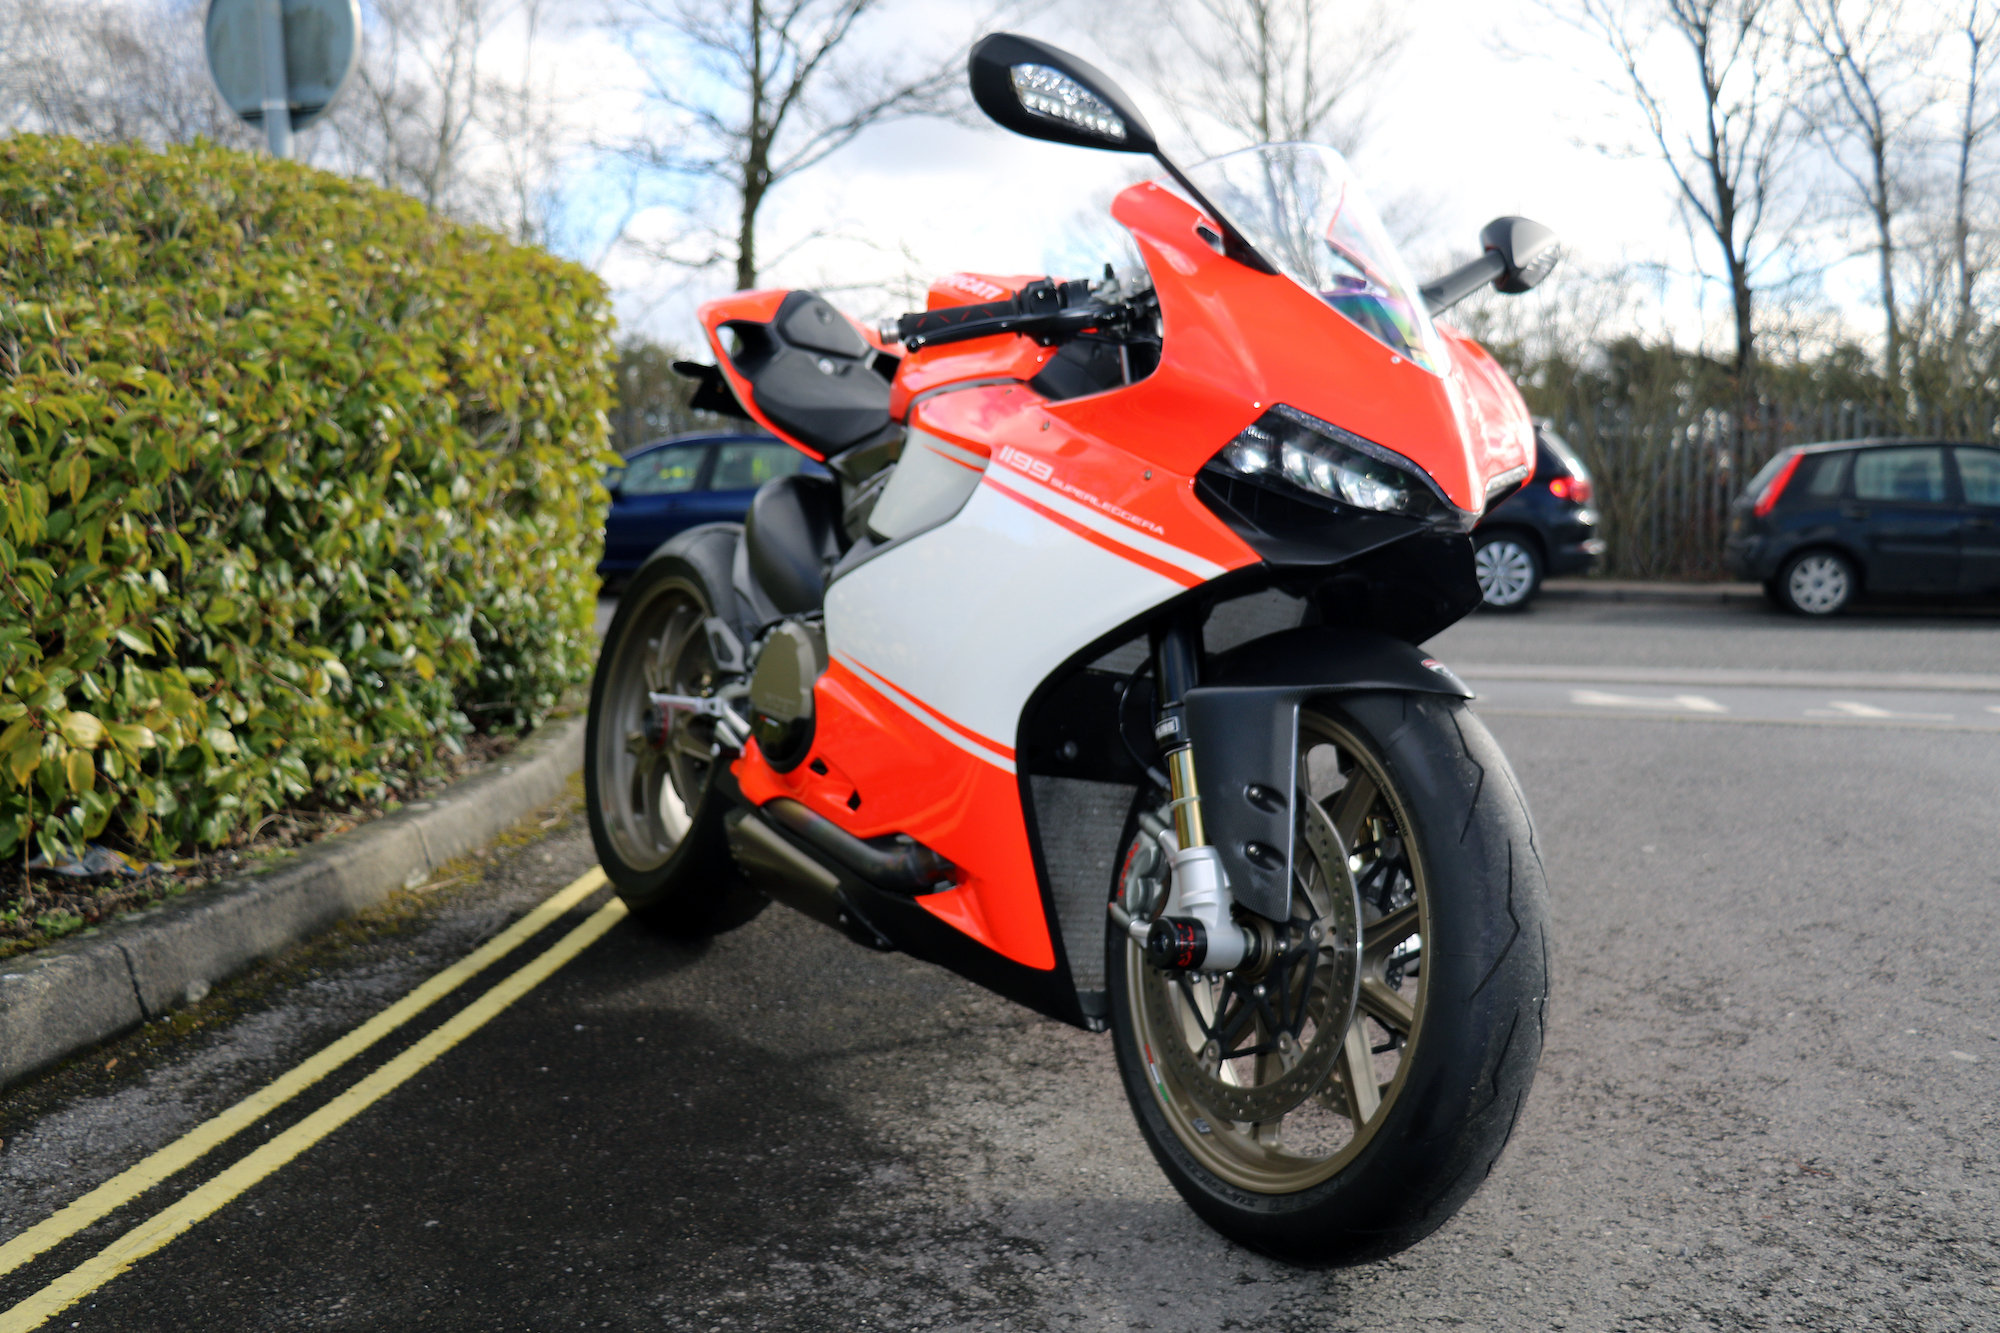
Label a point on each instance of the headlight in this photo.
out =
(1288, 450)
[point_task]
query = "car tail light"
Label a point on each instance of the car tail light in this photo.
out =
(1776, 486)
(1574, 489)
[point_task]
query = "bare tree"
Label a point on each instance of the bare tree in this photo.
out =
(1264, 71)
(746, 94)
(1978, 113)
(1722, 124)
(110, 71)
(416, 95)
(1868, 107)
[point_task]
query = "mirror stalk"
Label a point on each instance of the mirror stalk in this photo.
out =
(1234, 244)
(1462, 282)
(1044, 92)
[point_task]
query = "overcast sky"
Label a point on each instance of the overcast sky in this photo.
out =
(1473, 132)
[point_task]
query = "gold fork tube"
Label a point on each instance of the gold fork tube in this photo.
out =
(1186, 798)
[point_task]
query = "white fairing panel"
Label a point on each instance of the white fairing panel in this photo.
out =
(930, 484)
(968, 618)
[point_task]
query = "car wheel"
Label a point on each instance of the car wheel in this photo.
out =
(1509, 570)
(1817, 583)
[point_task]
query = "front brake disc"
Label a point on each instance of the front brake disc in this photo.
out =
(1332, 994)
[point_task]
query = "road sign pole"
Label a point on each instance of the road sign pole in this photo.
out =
(277, 92)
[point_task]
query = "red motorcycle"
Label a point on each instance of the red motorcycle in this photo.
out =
(1093, 673)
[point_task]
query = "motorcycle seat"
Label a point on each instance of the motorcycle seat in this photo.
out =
(813, 375)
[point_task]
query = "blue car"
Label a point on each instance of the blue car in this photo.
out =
(677, 483)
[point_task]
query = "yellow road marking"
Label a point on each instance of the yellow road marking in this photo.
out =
(129, 1184)
(169, 1222)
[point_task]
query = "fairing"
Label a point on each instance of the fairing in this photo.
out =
(1085, 522)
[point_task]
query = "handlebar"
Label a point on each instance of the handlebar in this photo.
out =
(1044, 308)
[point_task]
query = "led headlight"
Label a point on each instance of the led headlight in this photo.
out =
(1288, 450)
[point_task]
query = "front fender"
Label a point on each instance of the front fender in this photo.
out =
(1244, 724)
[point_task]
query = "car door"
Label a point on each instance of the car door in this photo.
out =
(1901, 515)
(741, 466)
(1979, 545)
(651, 503)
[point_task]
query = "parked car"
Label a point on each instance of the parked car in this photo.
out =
(1821, 524)
(676, 483)
(1545, 529)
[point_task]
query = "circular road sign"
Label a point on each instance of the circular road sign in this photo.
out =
(322, 46)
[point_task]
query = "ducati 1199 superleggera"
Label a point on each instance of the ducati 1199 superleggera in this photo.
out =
(1092, 673)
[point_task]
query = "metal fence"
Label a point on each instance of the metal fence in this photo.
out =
(1664, 480)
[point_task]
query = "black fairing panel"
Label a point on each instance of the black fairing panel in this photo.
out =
(813, 375)
(792, 536)
(1245, 722)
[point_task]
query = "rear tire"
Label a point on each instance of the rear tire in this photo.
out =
(1817, 583)
(1453, 991)
(1509, 570)
(655, 810)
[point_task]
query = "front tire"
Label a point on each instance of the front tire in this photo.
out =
(1441, 1047)
(655, 807)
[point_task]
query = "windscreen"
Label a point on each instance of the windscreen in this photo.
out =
(1303, 209)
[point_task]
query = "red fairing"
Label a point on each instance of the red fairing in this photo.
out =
(1497, 424)
(1222, 365)
(894, 766)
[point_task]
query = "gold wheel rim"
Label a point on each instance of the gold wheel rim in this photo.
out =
(1315, 1140)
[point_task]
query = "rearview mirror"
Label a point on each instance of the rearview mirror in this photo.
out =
(1518, 254)
(1527, 248)
(1036, 89)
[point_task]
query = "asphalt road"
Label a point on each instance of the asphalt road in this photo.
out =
(1767, 1101)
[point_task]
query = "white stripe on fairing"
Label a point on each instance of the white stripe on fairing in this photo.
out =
(1090, 518)
(971, 616)
(916, 710)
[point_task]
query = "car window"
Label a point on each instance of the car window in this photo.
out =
(1562, 452)
(1979, 473)
(745, 467)
(664, 471)
(1821, 476)
(1899, 474)
(1756, 484)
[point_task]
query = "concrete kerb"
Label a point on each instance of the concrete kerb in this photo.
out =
(68, 998)
(1638, 590)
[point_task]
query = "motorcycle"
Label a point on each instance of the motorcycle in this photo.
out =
(1092, 673)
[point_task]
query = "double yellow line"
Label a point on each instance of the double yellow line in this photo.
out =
(171, 1221)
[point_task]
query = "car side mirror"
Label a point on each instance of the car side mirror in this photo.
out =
(1044, 92)
(1519, 253)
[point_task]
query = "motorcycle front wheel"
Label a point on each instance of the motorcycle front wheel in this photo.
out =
(1420, 854)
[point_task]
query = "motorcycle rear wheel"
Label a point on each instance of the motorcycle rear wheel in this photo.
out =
(655, 810)
(1449, 1025)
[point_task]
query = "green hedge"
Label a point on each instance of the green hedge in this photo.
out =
(298, 484)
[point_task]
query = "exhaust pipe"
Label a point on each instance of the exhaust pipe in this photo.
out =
(897, 863)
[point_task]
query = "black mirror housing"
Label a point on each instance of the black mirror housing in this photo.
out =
(1526, 248)
(1044, 92)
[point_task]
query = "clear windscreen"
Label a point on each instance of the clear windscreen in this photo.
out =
(1302, 207)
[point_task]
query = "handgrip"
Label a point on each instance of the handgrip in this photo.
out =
(923, 323)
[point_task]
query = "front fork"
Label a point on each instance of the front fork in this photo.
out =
(1193, 929)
